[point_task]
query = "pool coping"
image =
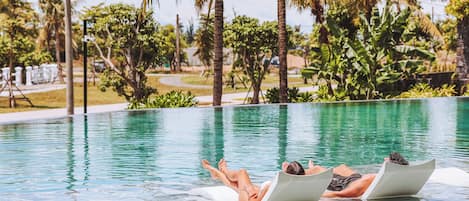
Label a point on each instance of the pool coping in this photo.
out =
(24, 117)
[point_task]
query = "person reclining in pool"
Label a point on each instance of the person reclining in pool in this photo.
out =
(239, 179)
(348, 183)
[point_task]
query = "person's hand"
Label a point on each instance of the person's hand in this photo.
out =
(284, 166)
(310, 164)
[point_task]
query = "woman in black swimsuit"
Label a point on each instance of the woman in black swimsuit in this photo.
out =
(348, 183)
(240, 181)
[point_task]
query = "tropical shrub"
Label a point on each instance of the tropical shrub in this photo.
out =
(272, 95)
(171, 99)
(423, 90)
(323, 95)
(445, 91)
(369, 62)
(304, 97)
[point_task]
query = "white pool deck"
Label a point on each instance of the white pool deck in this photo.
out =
(56, 113)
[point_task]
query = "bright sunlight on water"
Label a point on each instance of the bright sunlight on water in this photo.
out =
(156, 154)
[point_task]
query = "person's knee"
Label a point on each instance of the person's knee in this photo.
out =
(243, 171)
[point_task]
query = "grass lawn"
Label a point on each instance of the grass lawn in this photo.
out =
(57, 98)
(269, 80)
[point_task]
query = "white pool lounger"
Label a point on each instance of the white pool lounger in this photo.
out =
(391, 181)
(284, 187)
(395, 180)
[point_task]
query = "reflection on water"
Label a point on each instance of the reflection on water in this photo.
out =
(369, 131)
(212, 139)
(70, 155)
(462, 131)
(155, 155)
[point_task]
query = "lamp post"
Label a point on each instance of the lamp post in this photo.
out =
(85, 66)
(86, 39)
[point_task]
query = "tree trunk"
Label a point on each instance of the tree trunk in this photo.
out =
(69, 57)
(57, 53)
(11, 95)
(464, 26)
(218, 61)
(255, 93)
(178, 58)
(282, 45)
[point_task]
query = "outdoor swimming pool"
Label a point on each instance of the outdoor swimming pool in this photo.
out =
(155, 155)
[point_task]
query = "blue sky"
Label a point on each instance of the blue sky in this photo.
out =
(261, 9)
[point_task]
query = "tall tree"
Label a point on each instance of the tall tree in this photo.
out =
(129, 45)
(460, 9)
(69, 57)
(218, 61)
(178, 34)
(254, 45)
(204, 41)
(282, 45)
(53, 20)
(218, 47)
(17, 19)
(317, 10)
(190, 33)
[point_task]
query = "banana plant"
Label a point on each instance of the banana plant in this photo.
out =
(368, 64)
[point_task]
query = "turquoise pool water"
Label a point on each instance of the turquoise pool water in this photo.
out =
(155, 155)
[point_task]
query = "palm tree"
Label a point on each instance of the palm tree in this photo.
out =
(365, 6)
(424, 21)
(218, 47)
(69, 56)
(317, 9)
(282, 45)
(145, 5)
(53, 19)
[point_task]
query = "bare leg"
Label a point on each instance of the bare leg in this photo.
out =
(231, 174)
(343, 170)
(217, 174)
(245, 184)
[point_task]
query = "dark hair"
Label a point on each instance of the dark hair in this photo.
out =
(397, 158)
(295, 168)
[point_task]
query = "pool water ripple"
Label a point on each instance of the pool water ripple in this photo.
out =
(155, 154)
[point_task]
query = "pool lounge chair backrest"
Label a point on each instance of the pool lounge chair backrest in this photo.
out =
(395, 180)
(298, 187)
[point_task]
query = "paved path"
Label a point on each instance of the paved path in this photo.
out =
(172, 80)
(34, 89)
(175, 80)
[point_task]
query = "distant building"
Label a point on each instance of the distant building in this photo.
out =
(195, 61)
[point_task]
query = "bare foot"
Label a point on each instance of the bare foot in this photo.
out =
(213, 172)
(310, 164)
(285, 166)
(222, 166)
